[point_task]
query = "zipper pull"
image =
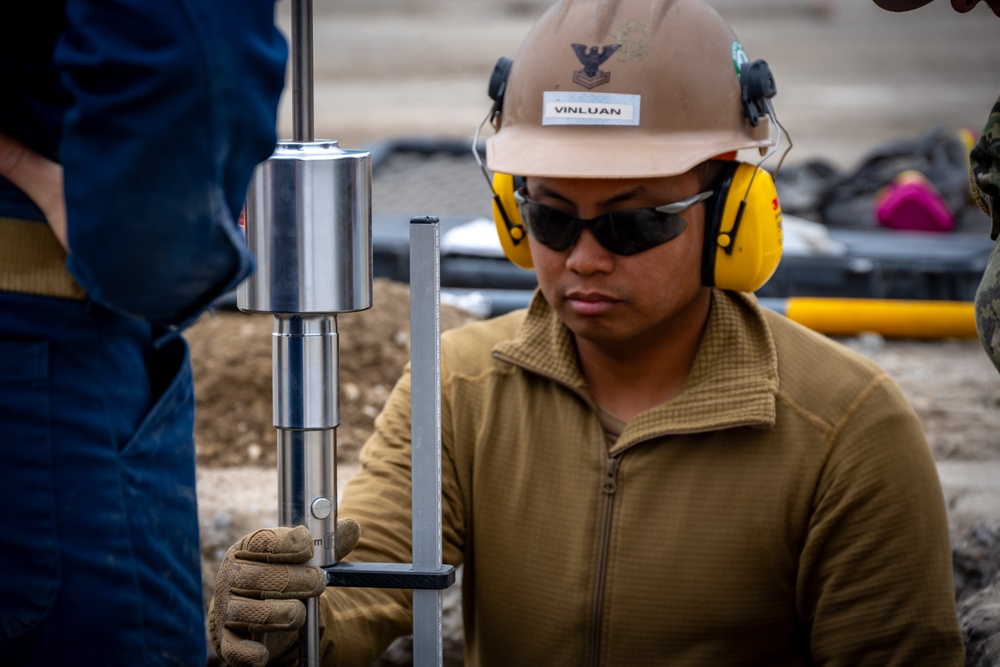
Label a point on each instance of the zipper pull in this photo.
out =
(610, 476)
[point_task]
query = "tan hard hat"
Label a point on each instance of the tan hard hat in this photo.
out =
(623, 89)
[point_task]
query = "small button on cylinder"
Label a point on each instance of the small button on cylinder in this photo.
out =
(321, 508)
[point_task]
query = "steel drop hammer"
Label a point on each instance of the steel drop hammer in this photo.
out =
(308, 223)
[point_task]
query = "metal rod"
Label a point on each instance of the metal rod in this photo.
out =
(307, 474)
(308, 224)
(293, 472)
(305, 385)
(302, 71)
(425, 364)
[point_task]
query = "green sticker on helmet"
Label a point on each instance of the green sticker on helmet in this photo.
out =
(739, 57)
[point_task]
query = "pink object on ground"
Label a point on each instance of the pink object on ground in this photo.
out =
(912, 202)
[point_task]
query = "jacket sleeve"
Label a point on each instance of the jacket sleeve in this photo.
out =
(875, 580)
(173, 104)
(359, 624)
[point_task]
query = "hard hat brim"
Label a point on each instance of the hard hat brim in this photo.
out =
(576, 151)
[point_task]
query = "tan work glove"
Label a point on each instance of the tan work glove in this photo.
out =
(257, 610)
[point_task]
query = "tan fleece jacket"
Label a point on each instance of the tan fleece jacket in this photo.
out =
(783, 509)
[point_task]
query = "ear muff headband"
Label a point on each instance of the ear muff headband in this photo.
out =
(743, 234)
(510, 228)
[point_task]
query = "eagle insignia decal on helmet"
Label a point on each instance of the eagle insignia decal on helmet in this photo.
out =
(592, 58)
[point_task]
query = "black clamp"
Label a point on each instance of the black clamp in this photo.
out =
(388, 575)
(757, 87)
(498, 84)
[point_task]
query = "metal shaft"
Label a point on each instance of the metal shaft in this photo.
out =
(308, 224)
(425, 364)
(306, 382)
(292, 459)
(302, 71)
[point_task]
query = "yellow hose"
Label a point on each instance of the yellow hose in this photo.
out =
(890, 318)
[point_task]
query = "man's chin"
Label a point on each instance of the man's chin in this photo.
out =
(594, 329)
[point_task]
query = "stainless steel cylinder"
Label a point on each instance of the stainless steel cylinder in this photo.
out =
(308, 224)
(307, 494)
(306, 411)
(305, 380)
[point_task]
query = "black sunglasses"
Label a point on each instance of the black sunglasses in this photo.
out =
(627, 232)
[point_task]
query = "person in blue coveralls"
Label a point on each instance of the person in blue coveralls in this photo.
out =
(129, 130)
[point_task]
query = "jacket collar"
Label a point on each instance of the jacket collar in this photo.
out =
(733, 382)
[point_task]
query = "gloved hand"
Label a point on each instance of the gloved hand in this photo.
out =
(257, 609)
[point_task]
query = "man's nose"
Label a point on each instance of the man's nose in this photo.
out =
(587, 255)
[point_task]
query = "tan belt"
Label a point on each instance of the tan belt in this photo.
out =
(33, 262)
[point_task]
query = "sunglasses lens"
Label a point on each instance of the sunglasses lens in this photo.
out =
(623, 232)
(638, 230)
(550, 227)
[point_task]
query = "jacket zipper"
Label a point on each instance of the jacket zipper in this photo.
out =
(609, 486)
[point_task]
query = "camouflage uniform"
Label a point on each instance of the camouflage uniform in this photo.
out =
(985, 177)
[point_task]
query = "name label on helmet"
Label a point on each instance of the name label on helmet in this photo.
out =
(571, 108)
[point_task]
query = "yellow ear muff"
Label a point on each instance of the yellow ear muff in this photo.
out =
(510, 228)
(748, 236)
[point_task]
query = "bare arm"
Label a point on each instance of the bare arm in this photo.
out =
(39, 178)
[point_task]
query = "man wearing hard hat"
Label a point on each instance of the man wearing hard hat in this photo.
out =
(644, 466)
